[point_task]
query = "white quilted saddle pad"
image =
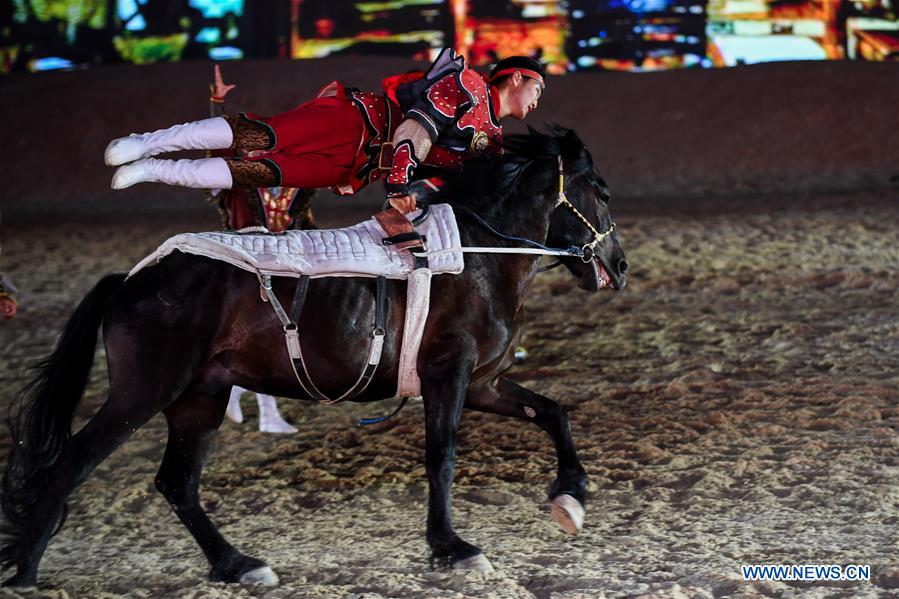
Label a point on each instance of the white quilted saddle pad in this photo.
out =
(355, 251)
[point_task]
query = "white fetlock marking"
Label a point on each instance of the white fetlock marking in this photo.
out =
(478, 563)
(264, 576)
(568, 513)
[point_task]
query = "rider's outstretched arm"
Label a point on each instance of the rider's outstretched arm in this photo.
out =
(411, 144)
(217, 92)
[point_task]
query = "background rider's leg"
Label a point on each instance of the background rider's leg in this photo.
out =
(233, 411)
(270, 419)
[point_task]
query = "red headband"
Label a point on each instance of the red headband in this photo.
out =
(525, 72)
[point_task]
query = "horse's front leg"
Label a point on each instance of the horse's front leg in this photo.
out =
(568, 492)
(444, 386)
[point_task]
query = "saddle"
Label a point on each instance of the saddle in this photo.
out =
(356, 251)
(381, 247)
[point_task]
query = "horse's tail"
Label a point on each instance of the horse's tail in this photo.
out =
(40, 420)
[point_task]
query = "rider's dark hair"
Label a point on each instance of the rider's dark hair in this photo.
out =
(516, 62)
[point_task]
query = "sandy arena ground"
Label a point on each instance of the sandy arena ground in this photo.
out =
(736, 404)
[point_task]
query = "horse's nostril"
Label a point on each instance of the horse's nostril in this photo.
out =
(622, 266)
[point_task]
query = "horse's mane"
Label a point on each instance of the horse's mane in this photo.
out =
(485, 183)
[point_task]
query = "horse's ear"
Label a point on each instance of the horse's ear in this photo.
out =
(555, 130)
(571, 146)
(605, 193)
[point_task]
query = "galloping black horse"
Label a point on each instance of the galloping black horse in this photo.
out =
(181, 333)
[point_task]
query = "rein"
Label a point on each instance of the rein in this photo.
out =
(289, 322)
(585, 252)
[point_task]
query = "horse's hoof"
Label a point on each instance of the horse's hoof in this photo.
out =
(568, 513)
(264, 576)
(478, 563)
(19, 581)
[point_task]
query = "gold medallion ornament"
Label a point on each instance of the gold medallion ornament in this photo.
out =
(479, 142)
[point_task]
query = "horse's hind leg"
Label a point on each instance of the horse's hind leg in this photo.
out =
(567, 493)
(193, 420)
(111, 426)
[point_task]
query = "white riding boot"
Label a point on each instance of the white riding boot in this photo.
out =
(208, 134)
(233, 411)
(206, 173)
(270, 419)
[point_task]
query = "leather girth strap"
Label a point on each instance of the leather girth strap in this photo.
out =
(400, 231)
(291, 335)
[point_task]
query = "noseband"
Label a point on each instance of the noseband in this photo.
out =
(589, 249)
(587, 252)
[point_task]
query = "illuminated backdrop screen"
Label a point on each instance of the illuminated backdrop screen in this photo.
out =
(567, 35)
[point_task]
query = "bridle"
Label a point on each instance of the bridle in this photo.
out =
(585, 252)
(588, 249)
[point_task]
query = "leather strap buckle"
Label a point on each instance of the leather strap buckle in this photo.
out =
(385, 157)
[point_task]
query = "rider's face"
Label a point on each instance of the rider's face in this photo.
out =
(523, 95)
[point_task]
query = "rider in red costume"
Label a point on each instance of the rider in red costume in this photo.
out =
(346, 138)
(8, 303)
(275, 208)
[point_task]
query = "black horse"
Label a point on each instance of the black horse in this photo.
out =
(181, 333)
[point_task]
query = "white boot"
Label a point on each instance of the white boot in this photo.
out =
(233, 411)
(270, 420)
(208, 134)
(206, 173)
